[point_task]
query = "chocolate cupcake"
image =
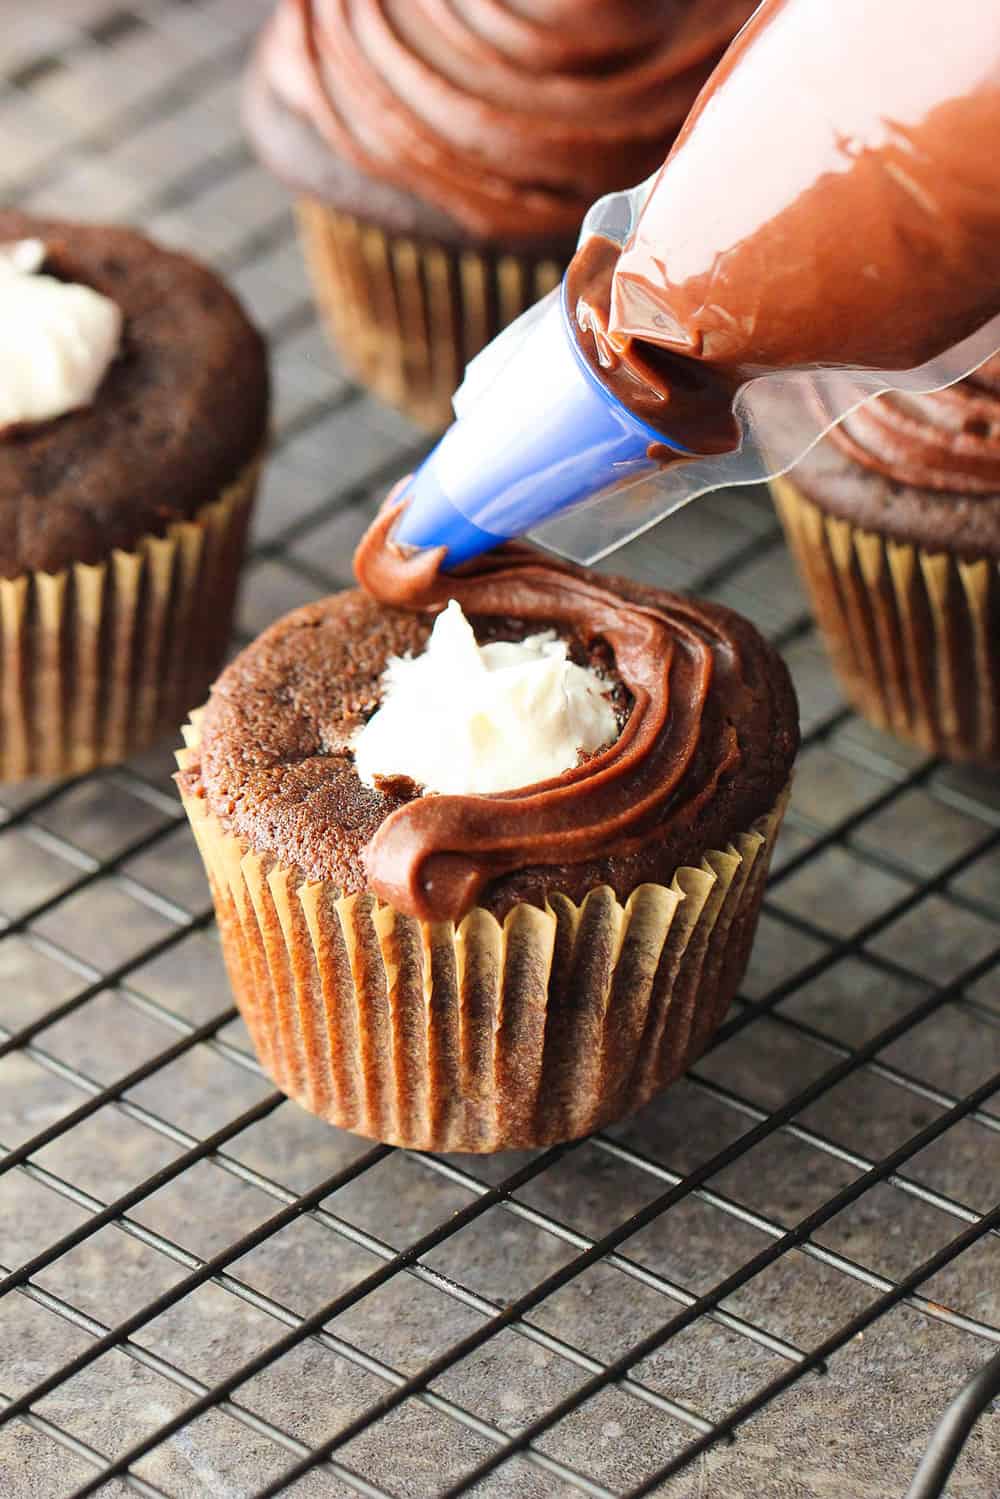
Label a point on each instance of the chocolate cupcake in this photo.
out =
(491, 890)
(444, 156)
(895, 522)
(133, 412)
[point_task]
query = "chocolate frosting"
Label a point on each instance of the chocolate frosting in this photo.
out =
(709, 732)
(433, 856)
(919, 470)
(948, 441)
(688, 401)
(834, 196)
(511, 118)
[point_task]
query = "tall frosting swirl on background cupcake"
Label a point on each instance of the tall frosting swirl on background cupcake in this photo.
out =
(510, 117)
(948, 441)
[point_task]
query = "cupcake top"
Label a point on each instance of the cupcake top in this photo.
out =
(485, 119)
(162, 398)
(923, 469)
(704, 711)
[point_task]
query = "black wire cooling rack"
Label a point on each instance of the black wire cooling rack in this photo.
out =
(773, 1282)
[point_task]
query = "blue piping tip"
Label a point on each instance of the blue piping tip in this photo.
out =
(431, 520)
(546, 434)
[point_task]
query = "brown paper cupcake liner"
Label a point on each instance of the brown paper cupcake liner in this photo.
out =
(914, 636)
(484, 1035)
(102, 659)
(408, 314)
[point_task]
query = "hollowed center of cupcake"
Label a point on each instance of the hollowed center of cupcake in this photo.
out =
(463, 718)
(59, 339)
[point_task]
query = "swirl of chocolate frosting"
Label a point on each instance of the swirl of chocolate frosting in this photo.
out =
(510, 118)
(947, 441)
(708, 732)
(433, 856)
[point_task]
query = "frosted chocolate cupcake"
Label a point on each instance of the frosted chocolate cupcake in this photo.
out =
(133, 411)
(488, 879)
(895, 522)
(444, 156)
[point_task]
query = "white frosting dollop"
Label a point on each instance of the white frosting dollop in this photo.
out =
(57, 338)
(463, 718)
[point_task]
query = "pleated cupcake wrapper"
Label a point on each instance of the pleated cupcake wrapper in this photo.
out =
(408, 314)
(482, 1035)
(914, 635)
(100, 660)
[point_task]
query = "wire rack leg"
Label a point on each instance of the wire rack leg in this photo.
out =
(952, 1432)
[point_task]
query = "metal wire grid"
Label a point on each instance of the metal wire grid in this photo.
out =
(880, 944)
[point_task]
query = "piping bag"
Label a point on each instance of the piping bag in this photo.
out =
(826, 228)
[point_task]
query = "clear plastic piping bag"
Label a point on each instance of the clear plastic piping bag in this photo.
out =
(780, 417)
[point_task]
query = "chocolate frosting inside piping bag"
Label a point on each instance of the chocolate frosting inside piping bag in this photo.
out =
(834, 196)
(737, 257)
(431, 857)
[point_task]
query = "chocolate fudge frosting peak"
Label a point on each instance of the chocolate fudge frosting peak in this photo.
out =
(511, 118)
(432, 857)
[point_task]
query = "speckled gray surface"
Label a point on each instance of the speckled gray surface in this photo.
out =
(131, 112)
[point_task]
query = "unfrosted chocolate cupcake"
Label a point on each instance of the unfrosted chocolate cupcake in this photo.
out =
(133, 413)
(895, 522)
(459, 971)
(444, 156)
